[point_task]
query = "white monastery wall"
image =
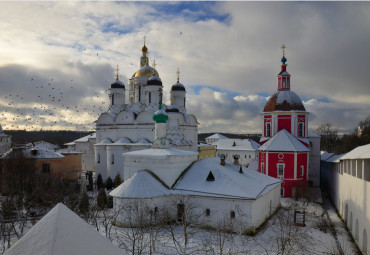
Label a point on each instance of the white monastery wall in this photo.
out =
(349, 185)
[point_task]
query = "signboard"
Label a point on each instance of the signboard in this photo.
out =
(299, 218)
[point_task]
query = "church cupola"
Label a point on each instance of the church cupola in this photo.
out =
(117, 94)
(153, 90)
(160, 140)
(283, 76)
(144, 57)
(178, 94)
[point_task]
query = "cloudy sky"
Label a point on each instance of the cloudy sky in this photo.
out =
(58, 59)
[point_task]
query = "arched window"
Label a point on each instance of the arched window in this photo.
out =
(232, 215)
(208, 212)
(268, 129)
(112, 159)
(150, 97)
(98, 160)
(300, 129)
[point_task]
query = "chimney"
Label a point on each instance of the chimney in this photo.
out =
(222, 157)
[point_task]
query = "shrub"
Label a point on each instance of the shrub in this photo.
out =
(101, 199)
(117, 181)
(109, 183)
(84, 204)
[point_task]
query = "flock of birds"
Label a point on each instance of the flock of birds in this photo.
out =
(49, 110)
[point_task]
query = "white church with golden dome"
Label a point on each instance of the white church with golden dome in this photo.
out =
(128, 126)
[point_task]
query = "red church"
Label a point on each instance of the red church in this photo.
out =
(284, 150)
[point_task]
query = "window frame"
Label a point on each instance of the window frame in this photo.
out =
(278, 166)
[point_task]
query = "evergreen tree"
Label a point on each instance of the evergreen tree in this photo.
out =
(101, 199)
(117, 181)
(90, 186)
(109, 201)
(84, 204)
(109, 183)
(99, 182)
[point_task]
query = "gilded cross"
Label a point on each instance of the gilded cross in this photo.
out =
(117, 69)
(283, 47)
(178, 74)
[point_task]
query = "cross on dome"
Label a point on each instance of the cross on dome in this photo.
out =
(178, 75)
(283, 59)
(144, 49)
(117, 69)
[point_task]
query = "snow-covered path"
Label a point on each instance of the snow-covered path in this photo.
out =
(343, 238)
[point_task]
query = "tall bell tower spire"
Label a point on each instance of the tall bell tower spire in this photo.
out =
(283, 76)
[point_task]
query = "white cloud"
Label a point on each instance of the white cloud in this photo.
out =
(327, 54)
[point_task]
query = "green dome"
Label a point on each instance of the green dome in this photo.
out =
(160, 116)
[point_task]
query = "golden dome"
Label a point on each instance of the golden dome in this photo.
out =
(146, 71)
(144, 49)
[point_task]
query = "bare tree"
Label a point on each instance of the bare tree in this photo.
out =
(184, 225)
(139, 226)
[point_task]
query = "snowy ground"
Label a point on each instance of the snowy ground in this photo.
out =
(278, 236)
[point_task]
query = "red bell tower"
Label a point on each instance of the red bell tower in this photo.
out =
(284, 151)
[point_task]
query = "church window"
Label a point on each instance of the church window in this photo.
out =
(302, 170)
(282, 192)
(300, 129)
(208, 212)
(98, 161)
(46, 168)
(262, 167)
(150, 97)
(139, 93)
(268, 129)
(283, 83)
(232, 215)
(279, 83)
(280, 168)
(245, 156)
(113, 99)
(112, 159)
(249, 156)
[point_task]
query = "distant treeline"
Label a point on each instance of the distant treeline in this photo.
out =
(255, 137)
(59, 137)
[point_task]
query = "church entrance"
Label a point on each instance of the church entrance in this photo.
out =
(180, 212)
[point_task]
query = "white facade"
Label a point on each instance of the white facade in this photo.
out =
(133, 120)
(245, 149)
(347, 179)
(85, 145)
(241, 198)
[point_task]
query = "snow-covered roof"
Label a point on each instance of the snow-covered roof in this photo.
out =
(283, 141)
(104, 142)
(236, 144)
(141, 185)
(67, 151)
(44, 145)
(123, 141)
(360, 152)
(160, 153)
(326, 155)
(62, 232)
(335, 158)
(86, 138)
(228, 181)
(32, 152)
(312, 134)
(217, 135)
